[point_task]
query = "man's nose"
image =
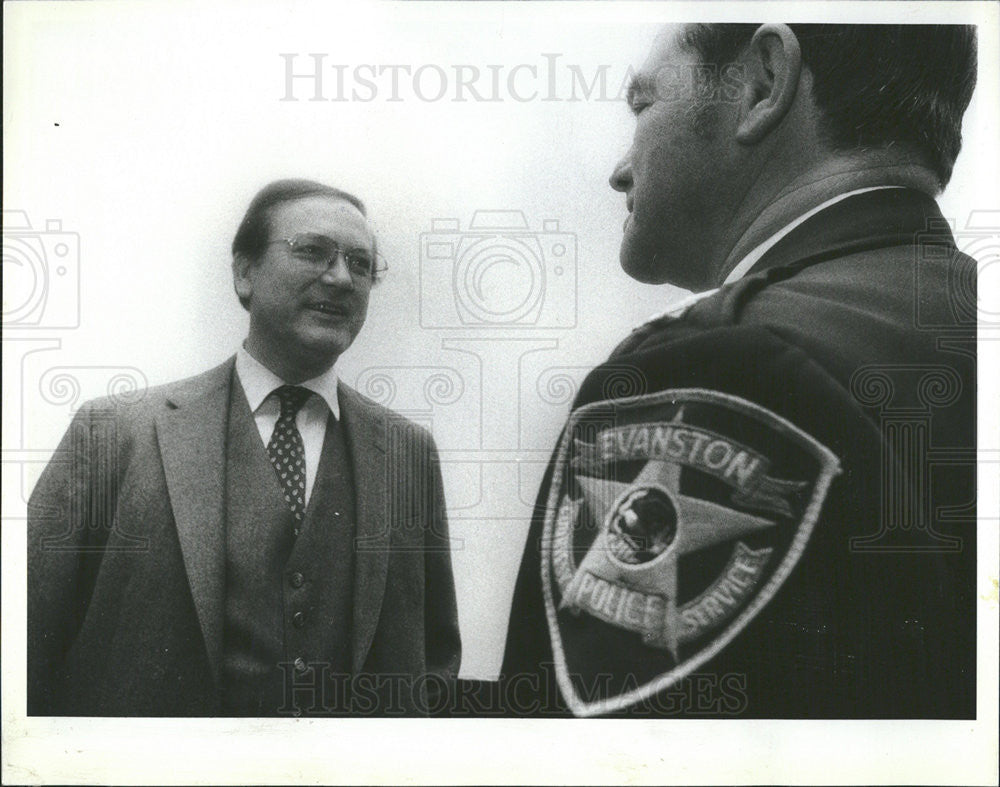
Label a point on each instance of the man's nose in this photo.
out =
(621, 178)
(337, 271)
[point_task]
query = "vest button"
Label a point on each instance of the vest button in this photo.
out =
(299, 619)
(296, 580)
(300, 665)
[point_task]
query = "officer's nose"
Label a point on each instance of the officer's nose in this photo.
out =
(621, 178)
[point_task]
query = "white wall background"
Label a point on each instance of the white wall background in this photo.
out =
(146, 128)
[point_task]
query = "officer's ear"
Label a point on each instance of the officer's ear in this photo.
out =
(773, 65)
(242, 280)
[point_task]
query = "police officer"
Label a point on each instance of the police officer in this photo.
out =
(778, 518)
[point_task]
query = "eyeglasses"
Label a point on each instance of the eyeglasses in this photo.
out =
(319, 253)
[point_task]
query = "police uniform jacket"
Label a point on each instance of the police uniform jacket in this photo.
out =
(781, 481)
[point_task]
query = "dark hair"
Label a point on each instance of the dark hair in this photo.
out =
(254, 231)
(876, 85)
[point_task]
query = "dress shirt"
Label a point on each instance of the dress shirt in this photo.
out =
(258, 382)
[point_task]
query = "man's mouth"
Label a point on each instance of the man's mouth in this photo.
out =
(329, 309)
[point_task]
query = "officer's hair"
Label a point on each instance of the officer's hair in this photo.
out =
(254, 231)
(876, 85)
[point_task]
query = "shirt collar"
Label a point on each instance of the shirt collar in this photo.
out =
(258, 382)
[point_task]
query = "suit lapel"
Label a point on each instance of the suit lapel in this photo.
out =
(192, 437)
(365, 429)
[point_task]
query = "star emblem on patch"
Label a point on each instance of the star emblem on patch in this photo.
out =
(673, 519)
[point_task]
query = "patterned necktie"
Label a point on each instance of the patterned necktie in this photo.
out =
(287, 452)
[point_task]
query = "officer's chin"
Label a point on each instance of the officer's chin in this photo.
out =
(641, 264)
(657, 267)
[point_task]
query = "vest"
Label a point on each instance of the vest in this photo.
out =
(288, 600)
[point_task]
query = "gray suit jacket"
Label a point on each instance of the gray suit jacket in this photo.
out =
(126, 558)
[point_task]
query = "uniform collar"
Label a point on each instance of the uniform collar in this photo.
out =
(258, 382)
(754, 256)
(745, 265)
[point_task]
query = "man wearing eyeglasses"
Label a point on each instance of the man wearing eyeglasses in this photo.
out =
(261, 539)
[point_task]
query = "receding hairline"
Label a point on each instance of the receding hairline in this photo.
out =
(337, 200)
(334, 198)
(252, 233)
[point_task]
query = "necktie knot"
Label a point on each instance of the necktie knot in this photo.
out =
(291, 398)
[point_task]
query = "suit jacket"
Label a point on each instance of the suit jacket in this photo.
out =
(846, 360)
(126, 558)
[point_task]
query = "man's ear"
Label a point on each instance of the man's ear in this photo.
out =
(241, 278)
(774, 64)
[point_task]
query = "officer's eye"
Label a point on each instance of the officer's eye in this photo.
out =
(638, 104)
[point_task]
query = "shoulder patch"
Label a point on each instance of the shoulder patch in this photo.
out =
(672, 520)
